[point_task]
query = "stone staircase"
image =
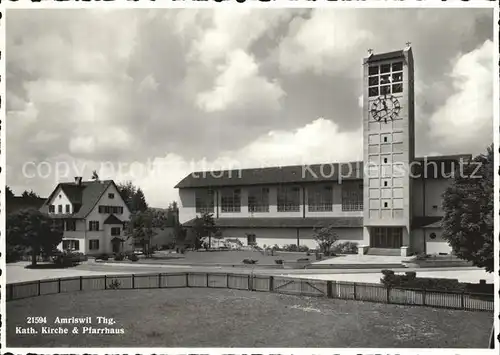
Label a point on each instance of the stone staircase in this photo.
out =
(384, 251)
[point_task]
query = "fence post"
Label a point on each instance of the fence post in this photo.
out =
(207, 279)
(388, 295)
(462, 300)
(354, 289)
(187, 279)
(227, 280)
(133, 281)
(81, 283)
(105, 282)
(159, 280)
(329, 289)
(249, 286)
(423, 296)
(59, 285)
(271, 283)
(39, 287)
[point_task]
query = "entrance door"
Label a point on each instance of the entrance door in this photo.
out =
(116, 246)
(386, 237)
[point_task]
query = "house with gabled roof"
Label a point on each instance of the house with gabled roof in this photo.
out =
(92, 214)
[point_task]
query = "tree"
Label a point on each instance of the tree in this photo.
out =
(326, 237)
(133, 197)
(143, 226)
(8, 193)
(127, 191)
(203, 227)
(35, 230)
(173, 214)
(139, 203)
(30, 195)
(468, 207)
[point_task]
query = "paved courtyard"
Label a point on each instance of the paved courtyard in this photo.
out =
(18, 273)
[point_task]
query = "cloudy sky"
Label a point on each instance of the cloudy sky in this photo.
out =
(151, 95)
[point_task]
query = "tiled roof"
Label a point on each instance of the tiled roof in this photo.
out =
(112, 219)
(85, 195)
(386, 56)
(427, 222)
(285, 222)
(309, 173)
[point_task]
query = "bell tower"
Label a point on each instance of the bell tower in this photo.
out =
(388, 148)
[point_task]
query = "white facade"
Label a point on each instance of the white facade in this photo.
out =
(94, 242)
(391, 197)
(187, 206)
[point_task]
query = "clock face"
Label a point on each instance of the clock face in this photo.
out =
(385, 108)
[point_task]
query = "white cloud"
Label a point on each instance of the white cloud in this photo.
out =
(321, 43)
(320, 141)
(239, 85)
(468, 113)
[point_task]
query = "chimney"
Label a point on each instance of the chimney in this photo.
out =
(78, 180)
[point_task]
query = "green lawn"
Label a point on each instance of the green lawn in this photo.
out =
(196, 317)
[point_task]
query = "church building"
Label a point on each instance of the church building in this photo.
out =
(389, 203)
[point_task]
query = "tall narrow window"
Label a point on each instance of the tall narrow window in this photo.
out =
(93, 225)
(288, 199)
(320, 198)
(70, 225)
(352, 196)
(94, 244)
(230, 200)
(258, 199)
(204, 201)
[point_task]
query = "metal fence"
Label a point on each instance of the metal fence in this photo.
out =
(282, 285)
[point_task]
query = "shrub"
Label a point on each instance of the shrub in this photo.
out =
(278, 261)
(290, 247)
(409, 280)
(115, 284)
(102, 257)
(387, 272)
(133, 257)
(302, 260)
(411, 275)
(249, 261)
(276, 247)
(303, 248)
(119, 257)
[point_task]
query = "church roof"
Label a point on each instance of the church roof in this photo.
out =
(313, 173)
(386, 56)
